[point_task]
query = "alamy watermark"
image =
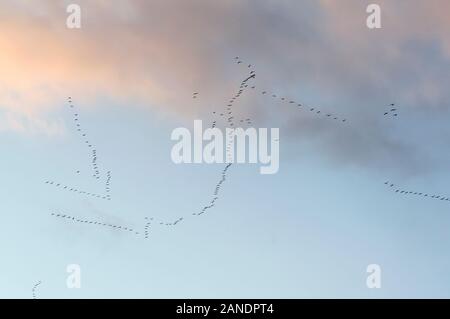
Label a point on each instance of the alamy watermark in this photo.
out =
(73, 280)
(373, 21)
(73, 21)
(235, 145)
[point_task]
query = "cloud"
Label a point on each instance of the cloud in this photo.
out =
(156, 53)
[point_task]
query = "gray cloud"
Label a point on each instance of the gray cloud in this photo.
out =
(320, 53)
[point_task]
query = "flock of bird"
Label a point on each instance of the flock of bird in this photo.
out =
(77, 191)
(108, 184)
(95, 168)
(226, 113)
(106, 196)
(315, 110)
(395, 189)
(111, 226)
(162, 223)
(96, 171)
(218, 186)
(95, 223)
(214, 122)
(33, 290)
(148, 221)
(300, 106)
(231, 122)
(392, 111)
(216, 191)
(147, 227)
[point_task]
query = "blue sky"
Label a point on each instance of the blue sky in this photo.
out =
(308, 231)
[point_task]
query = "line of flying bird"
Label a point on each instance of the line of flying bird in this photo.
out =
(96, 170)
(398, 190)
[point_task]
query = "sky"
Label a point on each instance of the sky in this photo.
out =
(308, 231)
